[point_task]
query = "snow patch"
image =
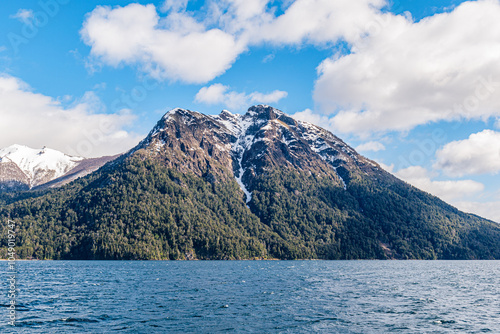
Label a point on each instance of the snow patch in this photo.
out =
(341, 179)
(243, 143)
(288, 142)
(239, 126)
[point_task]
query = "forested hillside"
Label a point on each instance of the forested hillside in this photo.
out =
(288, 191)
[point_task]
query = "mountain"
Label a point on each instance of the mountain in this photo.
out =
(24, 168)
(259, 185)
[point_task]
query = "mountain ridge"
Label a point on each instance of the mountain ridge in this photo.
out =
(258, 185)
(246, 131)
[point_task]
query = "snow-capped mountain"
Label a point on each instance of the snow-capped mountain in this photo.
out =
(24, 168)
(267, 124)
(248, 144)
(258, 185)
(38, 165)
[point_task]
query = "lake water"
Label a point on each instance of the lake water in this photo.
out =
(255, 297)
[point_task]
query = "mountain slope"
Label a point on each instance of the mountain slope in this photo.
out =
(257, 185)
(23, 168)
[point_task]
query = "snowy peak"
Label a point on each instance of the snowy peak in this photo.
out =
(262, 139)
(38, 164)
(227, 115)
(182, 123)
(268, 138)
(23, 168)
(264, 112)
(179, 112)
(230, 121)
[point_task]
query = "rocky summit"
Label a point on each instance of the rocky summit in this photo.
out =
(263, 138)
(259, 185)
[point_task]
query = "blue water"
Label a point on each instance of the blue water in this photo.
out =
(255, 297)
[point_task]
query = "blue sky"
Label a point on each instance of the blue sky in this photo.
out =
(411, 84)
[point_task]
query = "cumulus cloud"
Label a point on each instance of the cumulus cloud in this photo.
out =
(452, 191)
(319, 22)
(406, 73)
(213, 94)
(479, 154)
(176, 47)
(272, 97)
(446, 190)
(183, 46)
(221, 94)
(373, 146)
(81, 129)
(310, 116)
(489, 210)
(24, 16)
(399, 73)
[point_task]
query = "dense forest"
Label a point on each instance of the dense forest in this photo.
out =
(137, 208)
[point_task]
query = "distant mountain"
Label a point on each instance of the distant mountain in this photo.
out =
(259, 185)
(23, 168)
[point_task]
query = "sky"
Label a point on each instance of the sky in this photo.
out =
(413, 85)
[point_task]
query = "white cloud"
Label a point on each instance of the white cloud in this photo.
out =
(240, 17)
(24, 16)
(268, 58)
(387, 168)
(452, 192)
(479, 154)
(174, 5)
(398, 75)
(374, 146)
(318, 22)
(221, 94)
(213, 94)
(272, 97)
(82, 129)
(489, 210)
(314, 118)
(184, 46)
(446, 190)
(405, 74)
(175, 48)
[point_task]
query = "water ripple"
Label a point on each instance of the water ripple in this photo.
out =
(257, 297)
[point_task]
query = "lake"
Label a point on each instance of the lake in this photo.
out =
(255, 297)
